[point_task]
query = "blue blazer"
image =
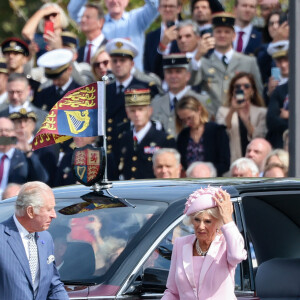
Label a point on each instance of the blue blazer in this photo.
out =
(15, 277)
(152, 59)
(254, 43)
(23, 169)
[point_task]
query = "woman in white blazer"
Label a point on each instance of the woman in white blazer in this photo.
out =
(244, 114)
(203, 264)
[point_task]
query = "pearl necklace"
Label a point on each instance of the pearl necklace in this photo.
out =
(199, 251)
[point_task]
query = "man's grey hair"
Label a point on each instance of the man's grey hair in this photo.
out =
(244, 164)
(166, 150)
(18, 77)
(191, 23)
(31, 194)
(211, 167)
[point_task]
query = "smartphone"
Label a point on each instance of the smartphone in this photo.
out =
(275, 73)
(239, 95)
(206, 30)
(49, 26)
(8, 140)
(170, 23)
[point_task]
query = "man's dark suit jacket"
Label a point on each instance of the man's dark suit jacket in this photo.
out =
(81, 51)
(152, 59)
(23, 169)
(215, 143)
(48, 97)
(254, 42)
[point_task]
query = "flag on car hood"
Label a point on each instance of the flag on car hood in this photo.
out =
(79, 113)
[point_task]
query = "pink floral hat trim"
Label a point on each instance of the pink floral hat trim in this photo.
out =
(200, 200)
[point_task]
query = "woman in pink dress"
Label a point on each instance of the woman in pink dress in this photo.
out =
(203, 264)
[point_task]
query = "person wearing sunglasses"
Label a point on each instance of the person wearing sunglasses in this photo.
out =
(244, 114)
(101, 64)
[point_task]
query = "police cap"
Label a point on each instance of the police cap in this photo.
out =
(15, 45)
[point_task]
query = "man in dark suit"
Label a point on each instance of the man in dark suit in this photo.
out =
(58, 67)
(138, 145)
(248, 38)
(18, 91)
(16, 166)
(28, 269)
(122, 53)
(91, 25)
(169, 11)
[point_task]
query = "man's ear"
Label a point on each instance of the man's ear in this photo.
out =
(30, 212)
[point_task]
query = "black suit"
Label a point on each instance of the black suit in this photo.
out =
(49, 96)
(277, 125)
(81, 51)
(23, 169)
(215, 143)
(135, 161)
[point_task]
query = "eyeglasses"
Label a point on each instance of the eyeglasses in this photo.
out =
(15, 92)
(245, 85)
(97, 64)
(168, 6)
(49, 16)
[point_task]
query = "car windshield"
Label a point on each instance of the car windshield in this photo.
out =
(87, 243)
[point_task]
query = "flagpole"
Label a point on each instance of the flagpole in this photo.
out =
(105, 79)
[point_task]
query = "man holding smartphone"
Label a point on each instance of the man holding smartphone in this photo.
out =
(216, 72)
(278, 109)
(164, 36)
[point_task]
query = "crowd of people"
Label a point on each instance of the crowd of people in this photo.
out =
(203, 96)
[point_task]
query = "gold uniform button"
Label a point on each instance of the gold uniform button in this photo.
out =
(109, 147)
(110, 120)
(132, 178)
(225, 91)
(109, 138)
(134, 158)
(149, 158)
(109, 129)
(226, 77)
(125, 120)
(133, 169)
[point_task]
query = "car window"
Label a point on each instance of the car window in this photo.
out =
(88, 243)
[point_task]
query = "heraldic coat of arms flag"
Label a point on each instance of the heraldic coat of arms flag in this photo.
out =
(79, 113)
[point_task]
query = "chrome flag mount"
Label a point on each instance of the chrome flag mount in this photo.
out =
(79, 113)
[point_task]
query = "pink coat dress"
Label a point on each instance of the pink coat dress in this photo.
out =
(216, 279)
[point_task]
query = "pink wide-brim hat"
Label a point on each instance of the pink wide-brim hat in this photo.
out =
(200, 200)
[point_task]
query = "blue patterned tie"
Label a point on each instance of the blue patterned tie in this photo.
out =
(33, 256)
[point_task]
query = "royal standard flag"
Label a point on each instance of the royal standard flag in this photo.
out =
(79, 113)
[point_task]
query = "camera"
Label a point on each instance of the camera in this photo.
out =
(239, 95)
(8, 140)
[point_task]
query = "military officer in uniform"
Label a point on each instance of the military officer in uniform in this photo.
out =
(122, 53)
(138, 145)
(58, 67)
(216, 72)
(16, 53)
(177, 75)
